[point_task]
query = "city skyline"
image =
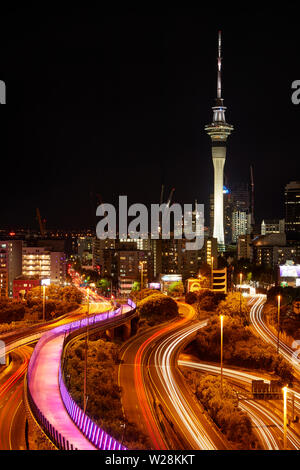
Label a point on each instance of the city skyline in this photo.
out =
(137, 111)
(149, 264)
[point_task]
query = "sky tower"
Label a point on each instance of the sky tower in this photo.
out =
(219, 130)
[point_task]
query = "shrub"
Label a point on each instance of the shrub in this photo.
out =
(104, 404)
(158, 308)
(223, 409)
(190, 298)
(234, 305)
(142, 294)
(241, 348)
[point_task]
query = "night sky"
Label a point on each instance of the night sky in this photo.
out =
(115, 102)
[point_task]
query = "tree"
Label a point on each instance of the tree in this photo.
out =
(104, 404)
(223, 409)
(241, 348)
(158, 308)
(11, 310)
(234, 305)
(104, 285)
(176, 289)
(136, 286)
(143, 293)
(208, 300)
(190, 298)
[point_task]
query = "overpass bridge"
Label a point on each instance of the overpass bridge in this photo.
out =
(46, 396)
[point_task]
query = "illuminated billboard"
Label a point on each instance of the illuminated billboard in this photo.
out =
(171, 277)
(290, 271)
(154, 285)
(193, 285)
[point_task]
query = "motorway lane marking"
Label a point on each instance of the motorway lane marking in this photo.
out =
(171, 342)
(142, 350)
(11, 423)
(159, 328)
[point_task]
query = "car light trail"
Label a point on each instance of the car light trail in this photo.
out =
(10, 384)
(181, 411)
(185, 414)
(140, 389)
(266, 334)
(255, 410)
(264, 433)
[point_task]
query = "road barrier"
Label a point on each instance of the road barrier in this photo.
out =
(97, 436)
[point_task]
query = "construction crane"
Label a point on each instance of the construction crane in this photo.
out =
(252, 196)
(161, 194)
(170, 197)
(168, 203)
(42, 223)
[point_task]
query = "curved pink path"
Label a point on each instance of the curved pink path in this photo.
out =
(44, 389)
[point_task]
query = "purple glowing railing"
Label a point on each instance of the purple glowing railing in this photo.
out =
(99, 438)
(91, 431)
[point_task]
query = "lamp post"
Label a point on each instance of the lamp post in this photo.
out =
(285, 390)
(44, 301)
(86, 353)
(241, 278)
(278, 321)
(141, 263)
(221, 319)
(212, 273)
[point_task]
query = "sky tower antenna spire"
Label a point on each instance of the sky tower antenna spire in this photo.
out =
(219, 62)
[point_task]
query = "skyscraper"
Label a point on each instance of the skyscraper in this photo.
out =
(219, 130)
(292, 209)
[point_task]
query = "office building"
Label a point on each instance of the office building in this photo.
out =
(292, 209)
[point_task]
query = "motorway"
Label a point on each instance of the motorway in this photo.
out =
(266, 415)
(260, 327)
(159, 400)
(12, 411)
(165, 410)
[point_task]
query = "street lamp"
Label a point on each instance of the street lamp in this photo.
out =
(221, 319)
(241, 278)
(86, 352)
(278, 321)
(141, 263)
(285, 390)
(44, 301)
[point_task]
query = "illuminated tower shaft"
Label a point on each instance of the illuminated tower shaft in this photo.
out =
(219, 130)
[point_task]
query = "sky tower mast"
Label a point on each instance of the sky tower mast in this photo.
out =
(218, 131)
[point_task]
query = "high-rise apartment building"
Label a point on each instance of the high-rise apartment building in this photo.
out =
(240, 223)
(38, 262)
(10, 265)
